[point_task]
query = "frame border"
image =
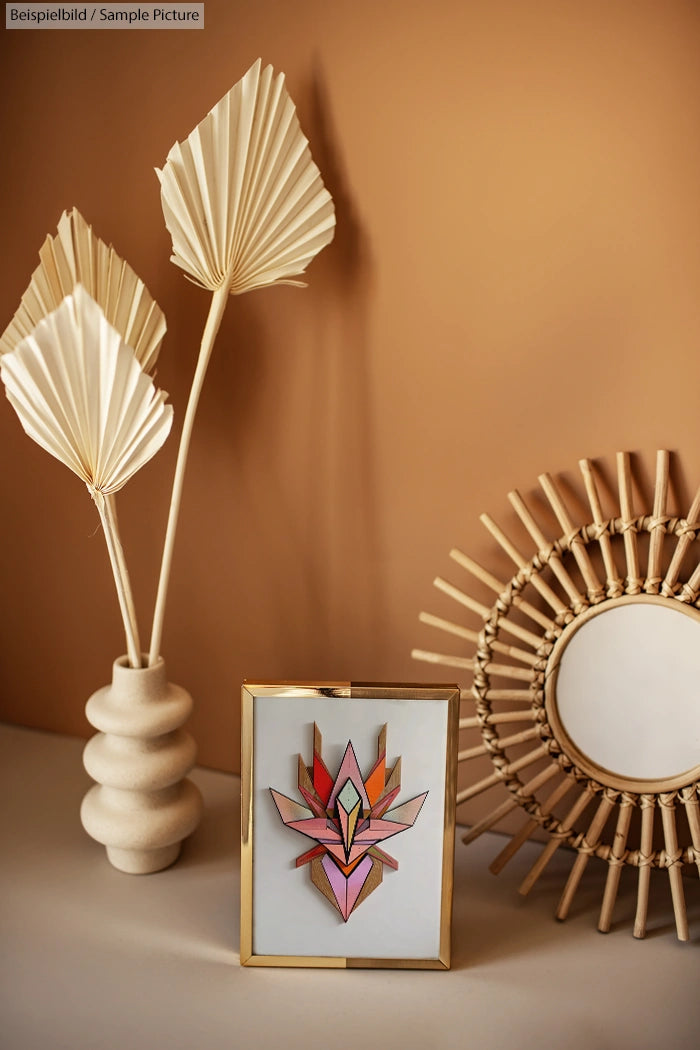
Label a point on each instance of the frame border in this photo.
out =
(347, 690)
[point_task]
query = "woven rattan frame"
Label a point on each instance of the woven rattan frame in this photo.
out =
(565, 582)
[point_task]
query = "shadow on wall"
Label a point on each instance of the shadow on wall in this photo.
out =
(338, 535)
(346, 464)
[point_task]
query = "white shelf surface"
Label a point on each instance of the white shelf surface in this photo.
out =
(93, 959)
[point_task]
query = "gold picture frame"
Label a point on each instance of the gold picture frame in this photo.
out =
(285, 920)
(535, 701)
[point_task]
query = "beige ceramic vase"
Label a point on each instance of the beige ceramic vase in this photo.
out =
(141, 807)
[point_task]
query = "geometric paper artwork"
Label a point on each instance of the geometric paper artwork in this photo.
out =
(347, 817)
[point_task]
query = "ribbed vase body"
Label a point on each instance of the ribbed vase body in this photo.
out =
(142, 806)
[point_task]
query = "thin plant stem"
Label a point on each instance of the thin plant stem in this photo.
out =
(111, 506)
(105, 508)
(211, 328)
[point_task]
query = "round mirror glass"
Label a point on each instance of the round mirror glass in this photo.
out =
(625, 688)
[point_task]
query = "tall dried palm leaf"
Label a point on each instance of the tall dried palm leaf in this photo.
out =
(246, 207)
(75, 255)
(243, 200)
(81, 394)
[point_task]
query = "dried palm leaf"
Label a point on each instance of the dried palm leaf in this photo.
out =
(76, 256)
(242, 197)
(246, 207)
(81, 394)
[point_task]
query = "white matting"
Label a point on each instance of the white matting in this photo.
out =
(401, 919)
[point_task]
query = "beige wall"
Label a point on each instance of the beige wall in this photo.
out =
(514, 284)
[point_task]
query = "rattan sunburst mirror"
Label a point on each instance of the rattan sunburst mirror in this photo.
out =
(586, 683)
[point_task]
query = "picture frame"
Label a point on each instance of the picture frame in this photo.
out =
(332, 775)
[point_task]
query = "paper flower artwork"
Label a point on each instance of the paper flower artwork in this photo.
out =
(347, 817)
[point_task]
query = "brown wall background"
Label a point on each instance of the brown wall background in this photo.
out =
(513, 285)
